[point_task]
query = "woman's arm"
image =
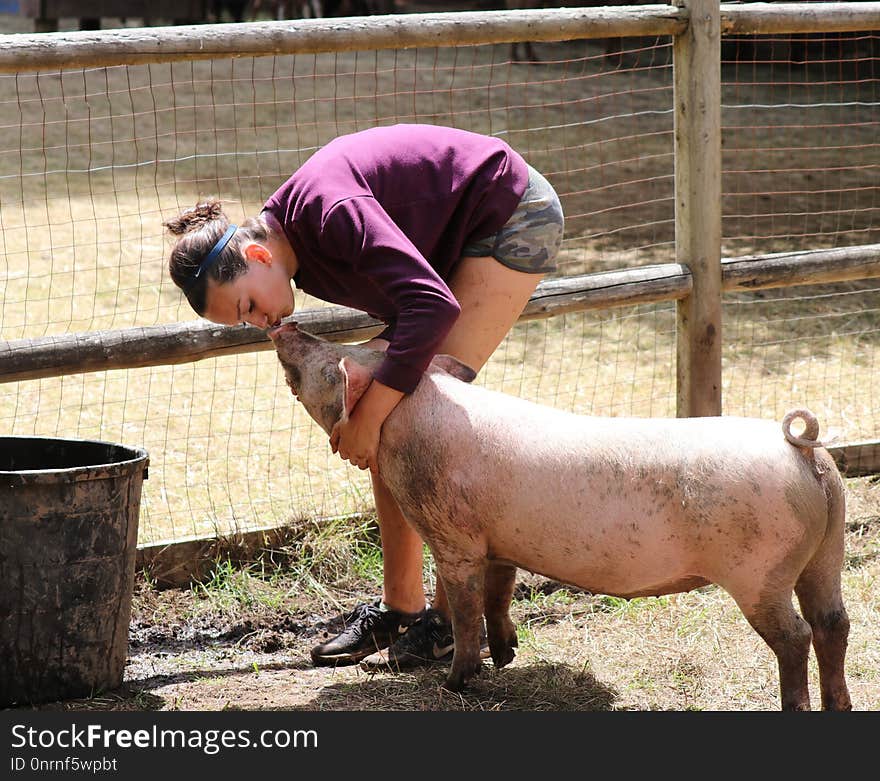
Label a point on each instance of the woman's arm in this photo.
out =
(402, 286)
(357, 439)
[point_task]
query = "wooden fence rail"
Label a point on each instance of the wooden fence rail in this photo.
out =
(161, 345)
(102, 48)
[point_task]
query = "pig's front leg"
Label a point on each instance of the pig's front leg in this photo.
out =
(464, 583)
(500, 582)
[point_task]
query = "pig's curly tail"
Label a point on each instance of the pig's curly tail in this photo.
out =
(810, 435)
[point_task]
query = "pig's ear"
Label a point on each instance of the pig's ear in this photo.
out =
(455, 367)
(355, 379)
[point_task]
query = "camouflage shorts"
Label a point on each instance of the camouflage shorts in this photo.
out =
(530, 239)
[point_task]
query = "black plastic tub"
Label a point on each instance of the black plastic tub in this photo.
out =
(68, 540)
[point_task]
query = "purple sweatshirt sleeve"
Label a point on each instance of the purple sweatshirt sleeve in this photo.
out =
(380, 252)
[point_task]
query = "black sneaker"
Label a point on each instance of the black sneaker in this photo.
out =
(428, 641)
(368, 628)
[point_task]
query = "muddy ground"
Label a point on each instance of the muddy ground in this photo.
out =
(242, 641)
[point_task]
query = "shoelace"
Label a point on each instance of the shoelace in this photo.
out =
(431, 629)
(363, 614)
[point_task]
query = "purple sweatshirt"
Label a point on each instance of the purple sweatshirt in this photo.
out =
(378, 219)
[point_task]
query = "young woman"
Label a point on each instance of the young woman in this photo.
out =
(440, 233)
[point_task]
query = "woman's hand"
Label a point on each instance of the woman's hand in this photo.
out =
(357, 439)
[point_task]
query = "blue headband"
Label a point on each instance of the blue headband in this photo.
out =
(214, 253)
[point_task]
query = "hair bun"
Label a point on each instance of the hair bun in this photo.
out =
(196, 217)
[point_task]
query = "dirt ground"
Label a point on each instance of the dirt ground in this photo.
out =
(243, 644)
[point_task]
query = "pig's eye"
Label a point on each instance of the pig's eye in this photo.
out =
(329, 376)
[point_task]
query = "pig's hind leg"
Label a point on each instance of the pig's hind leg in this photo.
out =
(822, 605)
(819, 595)
(770, 612)
(500, 582)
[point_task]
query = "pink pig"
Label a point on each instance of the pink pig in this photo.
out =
(628, 507)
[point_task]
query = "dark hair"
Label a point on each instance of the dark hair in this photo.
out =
(199, 230)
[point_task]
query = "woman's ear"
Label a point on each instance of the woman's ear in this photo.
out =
(257, 252)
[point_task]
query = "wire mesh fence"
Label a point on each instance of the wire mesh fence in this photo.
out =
(800, 119)
(93, 160)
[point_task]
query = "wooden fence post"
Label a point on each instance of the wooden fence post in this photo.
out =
(697, 94)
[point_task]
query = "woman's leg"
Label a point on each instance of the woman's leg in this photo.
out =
(492, 297)
(401, 554)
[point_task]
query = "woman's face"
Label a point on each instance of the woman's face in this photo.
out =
(261, 296)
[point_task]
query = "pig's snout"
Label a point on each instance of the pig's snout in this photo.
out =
(276, 330)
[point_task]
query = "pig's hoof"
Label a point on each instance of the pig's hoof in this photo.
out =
(454, 683)
(501, 645)
(457, 679)
(502, 656)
